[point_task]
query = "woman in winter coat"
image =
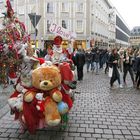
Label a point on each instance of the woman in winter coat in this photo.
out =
(113, 63)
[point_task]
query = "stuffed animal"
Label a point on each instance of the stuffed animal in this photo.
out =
(48, 79)
(29, 96)
(52, 116)
(16, 103)
(40, 102)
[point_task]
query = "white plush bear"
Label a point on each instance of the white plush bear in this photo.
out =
(40, 103)
(16, 102)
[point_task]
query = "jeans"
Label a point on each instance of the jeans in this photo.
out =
(88, 65)
(96, 66)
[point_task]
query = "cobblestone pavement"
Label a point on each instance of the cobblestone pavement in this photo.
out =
(98, 114)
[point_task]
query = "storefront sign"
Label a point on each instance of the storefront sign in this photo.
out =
(64, 33)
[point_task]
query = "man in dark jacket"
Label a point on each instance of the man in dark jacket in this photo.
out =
(88, 56)
(80, 61)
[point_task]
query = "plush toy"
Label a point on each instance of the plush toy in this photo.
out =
(52, 116)
(40, 102)
(47, 79)
(16, 103)
(29, 96)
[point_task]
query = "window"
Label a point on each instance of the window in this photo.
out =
(21, 10)
(48, 25)
(65, 7)
(50, 7)
(80, 7)
(79, 27)
(64, 24)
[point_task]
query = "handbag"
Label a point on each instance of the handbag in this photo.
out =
(110, 72)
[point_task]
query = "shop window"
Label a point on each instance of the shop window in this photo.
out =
(50, 7)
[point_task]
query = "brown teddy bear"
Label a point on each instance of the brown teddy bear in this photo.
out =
(47, 80)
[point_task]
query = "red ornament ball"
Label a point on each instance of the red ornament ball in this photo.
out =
(10, 47)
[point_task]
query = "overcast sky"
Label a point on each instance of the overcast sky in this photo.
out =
(129, 10)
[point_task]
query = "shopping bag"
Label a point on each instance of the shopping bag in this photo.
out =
(110, 72)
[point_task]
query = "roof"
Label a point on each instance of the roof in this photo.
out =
(135, 31)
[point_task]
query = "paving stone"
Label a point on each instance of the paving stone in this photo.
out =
(93, 126)
(14, 135)
(116, 132)
(74, 134)
(119, 136)
(126, 132)
(130, 137)
(81, 130)
(103, 126)
(99, 131)
(135, 133)
(122, 127)
(86, 135)
(113, 127)
(96, 135)
(84, 125)
(79, 138)
(136, 137)
(4, 135)
(68, 138)
(107, 136)
(11, 130)
(73, 129)
(108, 131)
(89, 130)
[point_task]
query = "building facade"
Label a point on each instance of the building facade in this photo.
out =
(100, 10)
(93, 21)
(122, 31)
(135, 37)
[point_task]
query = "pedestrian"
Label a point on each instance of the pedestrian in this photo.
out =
(96, 61)
(128, 56)
(79, 62)
(137, 80)
(107, 59)
(113, 63)
(101, 58)
(88, 56)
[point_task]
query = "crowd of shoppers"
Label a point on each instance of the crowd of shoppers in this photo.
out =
(121, 61)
